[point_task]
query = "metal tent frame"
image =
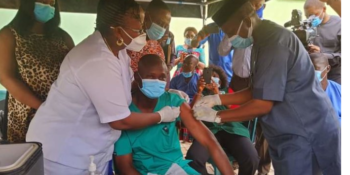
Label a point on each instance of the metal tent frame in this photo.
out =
(202, 9)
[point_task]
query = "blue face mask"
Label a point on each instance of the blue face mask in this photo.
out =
(43, 12)
(318, 74)
(188, 41)
(217, 81)
(316, 21)
(155, 32)
(239, 42)
(153, 88)
(186, 74)
(260, 11)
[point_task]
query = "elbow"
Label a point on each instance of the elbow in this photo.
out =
(121, 124)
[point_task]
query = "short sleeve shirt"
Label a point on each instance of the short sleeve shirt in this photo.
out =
(190, 88)
(283, 73)
(155, 148)
(93, 88)
(152, 47)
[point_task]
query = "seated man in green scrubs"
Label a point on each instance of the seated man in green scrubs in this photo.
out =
(156, 149)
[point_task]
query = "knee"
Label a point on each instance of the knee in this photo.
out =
(253, 158)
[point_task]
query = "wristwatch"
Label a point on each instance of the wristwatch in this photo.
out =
(217, 119)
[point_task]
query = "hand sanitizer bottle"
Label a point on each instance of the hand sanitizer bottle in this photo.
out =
(92, 167)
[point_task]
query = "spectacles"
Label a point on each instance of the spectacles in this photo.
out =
(138, 31)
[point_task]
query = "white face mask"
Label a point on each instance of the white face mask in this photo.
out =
(137, 43)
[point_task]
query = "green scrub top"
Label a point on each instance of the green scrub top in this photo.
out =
(231, 127)
(155, 148)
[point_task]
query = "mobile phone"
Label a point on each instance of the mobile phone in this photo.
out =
(207, 73)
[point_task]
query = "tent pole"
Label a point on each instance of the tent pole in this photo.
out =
(204, 11)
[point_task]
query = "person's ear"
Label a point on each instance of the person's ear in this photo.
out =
(248, 21)
(118, 34)
(328, 68)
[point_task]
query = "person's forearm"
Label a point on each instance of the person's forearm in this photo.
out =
(136, 121)
(21, 92)
(220, 159)
(248, 111)
(177, 61)
(237, 98)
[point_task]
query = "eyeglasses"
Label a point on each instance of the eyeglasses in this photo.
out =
(138, 31)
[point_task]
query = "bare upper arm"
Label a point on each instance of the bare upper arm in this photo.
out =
(8, 66)
(196, 127)
(68, 39)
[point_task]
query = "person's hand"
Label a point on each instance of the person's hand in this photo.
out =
(211, 28)
(169, 114)
(314, 49)
(213, 87)
(183, 95)
(209, 101)
(201, 85)
(205, 113)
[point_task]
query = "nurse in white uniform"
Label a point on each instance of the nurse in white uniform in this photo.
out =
(87, 105)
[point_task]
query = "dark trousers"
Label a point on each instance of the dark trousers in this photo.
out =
(241, 148)
(261, 146)
(237, 83)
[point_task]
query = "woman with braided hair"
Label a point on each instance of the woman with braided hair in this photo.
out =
(88, 104)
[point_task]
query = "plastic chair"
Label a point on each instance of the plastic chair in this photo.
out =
(231, 159)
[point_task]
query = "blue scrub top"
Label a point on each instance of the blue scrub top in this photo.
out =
(334, 93)
(225, 62)
(190, 88)
(302, 128)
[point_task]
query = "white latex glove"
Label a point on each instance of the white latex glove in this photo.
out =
(183, 95)
(225, 46)
(205, 113)
(209, 101)
(169, 114)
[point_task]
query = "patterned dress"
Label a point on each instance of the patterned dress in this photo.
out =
(38, 59)
(152, 47)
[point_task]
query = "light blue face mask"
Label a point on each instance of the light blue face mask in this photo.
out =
(152, 88)
(318, 74)
(155, 32)
(217, 81)
(186, 74)
(316, 21)
(188, 41)
(43, 12)
(239, 42)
